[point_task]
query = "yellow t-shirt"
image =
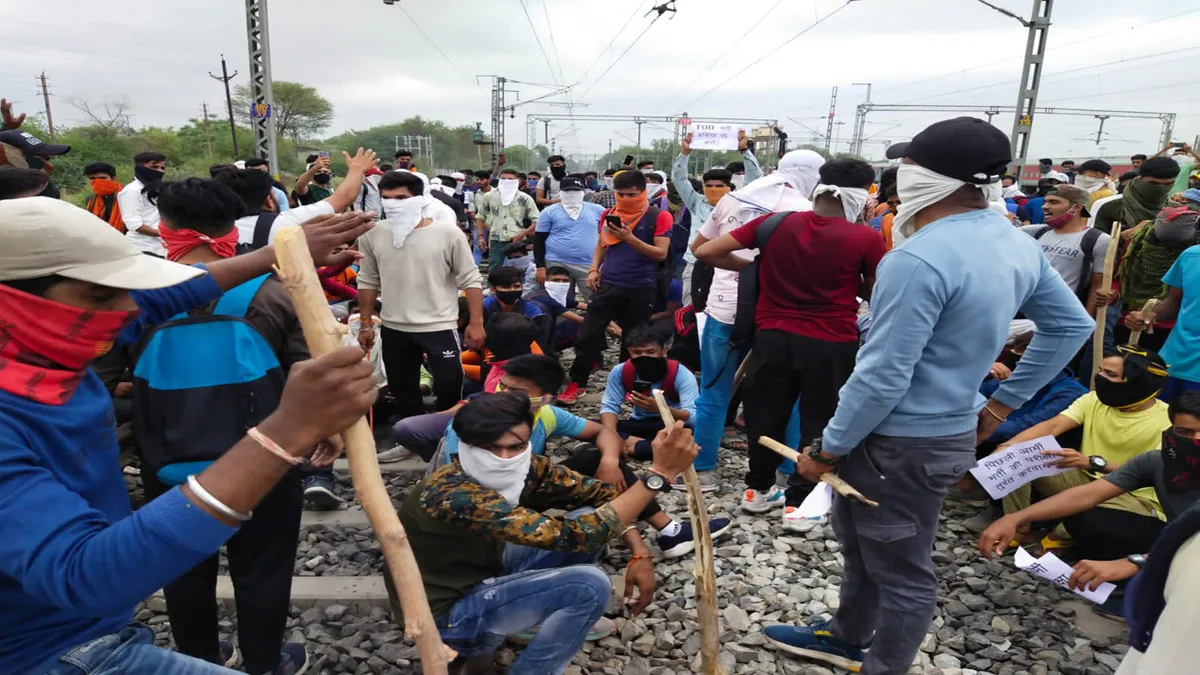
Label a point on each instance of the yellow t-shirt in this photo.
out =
(1119, 436)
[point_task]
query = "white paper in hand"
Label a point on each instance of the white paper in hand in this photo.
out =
(818, 502)
(1051, 568)
(714, 136)
(558, 290)
(1017, 465)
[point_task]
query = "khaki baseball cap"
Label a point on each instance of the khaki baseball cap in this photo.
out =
(43, 236)
(1072, 194)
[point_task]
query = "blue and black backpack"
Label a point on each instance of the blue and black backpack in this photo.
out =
(199, 384)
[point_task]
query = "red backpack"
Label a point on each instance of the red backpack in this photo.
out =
(629, 376)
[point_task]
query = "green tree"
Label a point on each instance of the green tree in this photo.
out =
(300, 111)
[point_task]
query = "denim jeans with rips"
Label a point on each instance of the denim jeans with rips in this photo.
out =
(130, 651)
(564, 593)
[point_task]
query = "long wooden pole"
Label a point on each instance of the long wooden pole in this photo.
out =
(704, 572)
(1110, 258)
(323, 334)
(832, 479)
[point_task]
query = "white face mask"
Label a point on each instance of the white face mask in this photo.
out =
(608, 182)
(739, 180)
(920, 188)
(1090, 183)
(572, 201)
(559, 291)
(506, 476)
(403, 216)
(508, 190)
(654, 190)
(854, 200)
(522, 263)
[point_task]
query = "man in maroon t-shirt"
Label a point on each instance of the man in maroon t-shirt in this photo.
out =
(811, 273)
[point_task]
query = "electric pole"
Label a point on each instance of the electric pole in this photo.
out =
(829, 124)
(207, 131)
(46, 98)
(262, 98)
(225, 77)
(860, 121)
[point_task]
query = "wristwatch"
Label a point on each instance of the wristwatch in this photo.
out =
(1138, 559)
(656, 482)
(1097, 463)
(814, 452)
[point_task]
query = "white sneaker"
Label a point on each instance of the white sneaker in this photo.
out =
(794, 522)
(754, 501)
(707, 480)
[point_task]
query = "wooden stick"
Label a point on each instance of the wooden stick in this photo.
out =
(1136, 336)
(1110, 258)
(323, 334)
(832, 479)
(740, 373)
(704, 572)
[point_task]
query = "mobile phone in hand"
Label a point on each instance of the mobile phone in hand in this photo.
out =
(643, 388)
(613, 222)
(323, 153)
(628, 160)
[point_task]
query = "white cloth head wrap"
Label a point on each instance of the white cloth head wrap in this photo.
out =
(854, 200)
(798, 169)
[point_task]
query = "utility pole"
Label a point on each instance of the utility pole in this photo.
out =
(639, 126)
(829, 125)
(225, 77)
(498, 94)
(46, 98)
(1100, 131)
(207, 131)
(262, 98)
(860, 121)
(1031, 76)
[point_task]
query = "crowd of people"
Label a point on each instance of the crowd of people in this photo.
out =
(850, 314)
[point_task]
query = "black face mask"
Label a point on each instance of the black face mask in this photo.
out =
(1121, 395)
(559, 172)
(508, 297)
(1181, 460)
(322, 179)
(649, 368)
(51, 191)
(403, 163)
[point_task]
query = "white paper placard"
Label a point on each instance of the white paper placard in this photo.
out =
(714, 136)
(818, 502)
(1003, 472)
(1051, 568)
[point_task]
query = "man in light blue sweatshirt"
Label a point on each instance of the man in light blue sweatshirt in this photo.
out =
(909, 418)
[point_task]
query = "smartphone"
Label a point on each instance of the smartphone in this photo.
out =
(628, 160)
(323, 153)
(613, 221)
(1178, 145)
(643, 388)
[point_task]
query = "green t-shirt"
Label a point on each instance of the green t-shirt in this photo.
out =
(315, 194)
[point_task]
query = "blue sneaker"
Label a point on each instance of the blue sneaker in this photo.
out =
(816, 642)
(319, 492)
(293, 659)
(685, 542)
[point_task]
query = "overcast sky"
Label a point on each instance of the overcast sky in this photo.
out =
(376, 67)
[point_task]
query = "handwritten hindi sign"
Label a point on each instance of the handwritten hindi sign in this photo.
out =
(1003, 472)
(714, 136)
(1051, 568)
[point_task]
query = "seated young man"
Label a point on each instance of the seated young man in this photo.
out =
(478, 532)
(1113, 543)
(509, 335)
(507, 284)
(647, 369)
(557, 299)
(1121, 420)
(518, 257)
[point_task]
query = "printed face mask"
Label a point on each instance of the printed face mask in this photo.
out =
(1181, 461)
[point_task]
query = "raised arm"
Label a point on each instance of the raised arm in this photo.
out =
(351, 185)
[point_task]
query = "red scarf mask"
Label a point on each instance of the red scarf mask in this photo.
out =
(180, 242)
(45, 346)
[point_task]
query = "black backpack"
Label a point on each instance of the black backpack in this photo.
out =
(748, 284)
(262, 232)
(665, 270)
(1087, 245)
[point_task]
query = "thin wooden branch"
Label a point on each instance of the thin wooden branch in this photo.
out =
(1110, 259)
(323, 334)
(704, 572)
(832, 479)
(1135, 337)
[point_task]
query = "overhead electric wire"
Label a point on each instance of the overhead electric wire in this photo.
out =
(790, 40)
(537, 38)
(618, 60)
(553, 44)
(435, 45)
(732, 45)
(611, 42)
(1125, 91)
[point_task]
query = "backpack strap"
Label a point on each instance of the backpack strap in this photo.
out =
(627, 376)
(1041, 231)
(237, 300)
(767, 228)
(1088, 246)
(669, 380)
(262, 230)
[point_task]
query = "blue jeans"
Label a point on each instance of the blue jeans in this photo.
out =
(563, 592)
(718, 364)
(130, 651)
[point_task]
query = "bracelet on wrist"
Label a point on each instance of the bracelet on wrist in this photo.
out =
(273, 447)
(991, 412)
(636, 558)
(214, 503)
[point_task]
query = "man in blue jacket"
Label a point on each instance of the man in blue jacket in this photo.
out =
(910, 416)
(74, 559)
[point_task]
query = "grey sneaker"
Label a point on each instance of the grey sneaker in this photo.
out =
(396, 454)
(707, 480)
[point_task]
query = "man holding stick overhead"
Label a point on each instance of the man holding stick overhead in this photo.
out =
(908, 419)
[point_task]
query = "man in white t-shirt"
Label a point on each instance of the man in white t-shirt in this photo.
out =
(1073, 249)
(258, 229)
(786, 190)
(137, 205)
